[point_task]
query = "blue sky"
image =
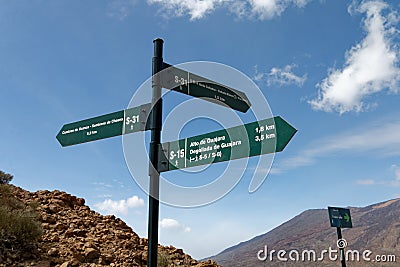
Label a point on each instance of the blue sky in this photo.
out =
(330, 68)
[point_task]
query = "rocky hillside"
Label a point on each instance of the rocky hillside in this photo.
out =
(74, 235)
(375, 228)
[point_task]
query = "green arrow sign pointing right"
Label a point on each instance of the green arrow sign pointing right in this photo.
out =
(252, 139)
(340, 217)
(195, 85)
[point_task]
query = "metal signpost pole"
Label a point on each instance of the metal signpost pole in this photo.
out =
(340, 218)
(342, 257)
(156, 124)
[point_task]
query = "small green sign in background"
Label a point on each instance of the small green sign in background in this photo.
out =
(340, 217)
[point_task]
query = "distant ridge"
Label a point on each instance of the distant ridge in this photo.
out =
(376, 228)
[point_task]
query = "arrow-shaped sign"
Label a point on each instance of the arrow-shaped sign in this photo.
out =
(252, 139)
(105, 126)
(194, 85)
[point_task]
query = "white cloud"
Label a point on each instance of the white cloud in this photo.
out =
(366, 182)
(393, 181)
(381, 138)
(120, 9)
(174, 225)
(267, 9)
(396, 170)
(258, 76)
(104, 196)
(102, 184)
(371, 66)
(281, 76)
(119, 206)
(197, 9)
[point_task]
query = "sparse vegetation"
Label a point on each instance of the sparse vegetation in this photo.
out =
(163, 260)
(5, 178)
(73, 234)
(19, 227)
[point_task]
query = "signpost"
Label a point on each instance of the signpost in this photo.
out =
(194, 85)
(252, 139)
(340, 218)
(105, 126)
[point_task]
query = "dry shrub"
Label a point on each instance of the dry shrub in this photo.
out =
(19, 227)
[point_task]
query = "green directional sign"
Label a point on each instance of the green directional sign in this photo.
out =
(105, 126)
(194, 85)
(339, 217)
(252, 139)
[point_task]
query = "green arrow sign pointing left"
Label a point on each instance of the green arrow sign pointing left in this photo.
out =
(105, 126)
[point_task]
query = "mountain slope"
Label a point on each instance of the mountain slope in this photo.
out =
(376, 228)
(74, 235)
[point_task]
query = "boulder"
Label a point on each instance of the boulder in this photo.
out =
(91, 254)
